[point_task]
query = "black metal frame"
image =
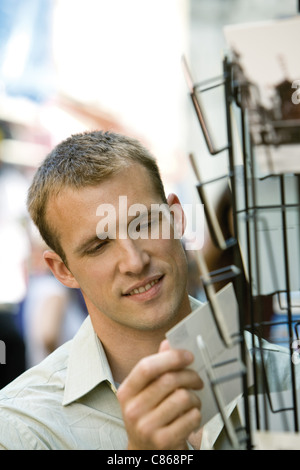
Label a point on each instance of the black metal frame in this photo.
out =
(247, 300)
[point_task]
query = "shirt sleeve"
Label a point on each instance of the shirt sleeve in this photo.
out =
(15, 435)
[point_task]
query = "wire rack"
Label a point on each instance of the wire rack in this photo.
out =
(265, 268)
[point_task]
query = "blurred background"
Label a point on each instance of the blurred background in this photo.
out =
(71, 65)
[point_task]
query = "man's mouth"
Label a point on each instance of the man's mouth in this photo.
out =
(143, 288)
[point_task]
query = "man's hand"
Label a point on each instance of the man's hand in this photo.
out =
(159, 407)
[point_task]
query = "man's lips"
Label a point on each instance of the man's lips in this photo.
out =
(143, 286)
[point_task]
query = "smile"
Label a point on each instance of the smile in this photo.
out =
(142, 289)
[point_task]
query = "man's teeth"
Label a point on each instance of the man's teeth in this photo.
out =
(142, 289)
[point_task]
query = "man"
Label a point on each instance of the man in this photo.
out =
(100, 206)
(117, 384)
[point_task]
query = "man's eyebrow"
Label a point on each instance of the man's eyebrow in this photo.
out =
(84, 246)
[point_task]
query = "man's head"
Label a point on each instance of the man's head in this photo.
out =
(128, 283)
(80, 161)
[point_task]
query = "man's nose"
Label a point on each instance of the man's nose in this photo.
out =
(133, 256)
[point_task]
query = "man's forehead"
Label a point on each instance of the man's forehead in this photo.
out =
(130, 180)
(120, 191)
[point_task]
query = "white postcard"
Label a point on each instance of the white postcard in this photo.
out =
(225, 363)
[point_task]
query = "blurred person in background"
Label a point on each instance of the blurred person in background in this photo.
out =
(14, 252)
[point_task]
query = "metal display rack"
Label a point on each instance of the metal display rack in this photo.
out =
(265, 247)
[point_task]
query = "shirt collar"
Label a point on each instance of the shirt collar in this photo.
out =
(87, 365)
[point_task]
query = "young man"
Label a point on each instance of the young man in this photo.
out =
(100, 206)
(117, 384)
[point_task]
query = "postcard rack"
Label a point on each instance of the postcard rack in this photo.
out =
(265, 268)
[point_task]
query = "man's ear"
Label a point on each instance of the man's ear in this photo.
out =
(179, 216)
(59, 269)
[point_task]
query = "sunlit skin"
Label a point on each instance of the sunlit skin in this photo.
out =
(131, 327)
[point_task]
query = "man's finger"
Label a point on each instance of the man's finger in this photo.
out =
(164, 346)
(161, 389)
(151, 367)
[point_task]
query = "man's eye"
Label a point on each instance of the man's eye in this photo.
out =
(97, 248)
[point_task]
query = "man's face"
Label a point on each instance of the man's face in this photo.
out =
(138, 283)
